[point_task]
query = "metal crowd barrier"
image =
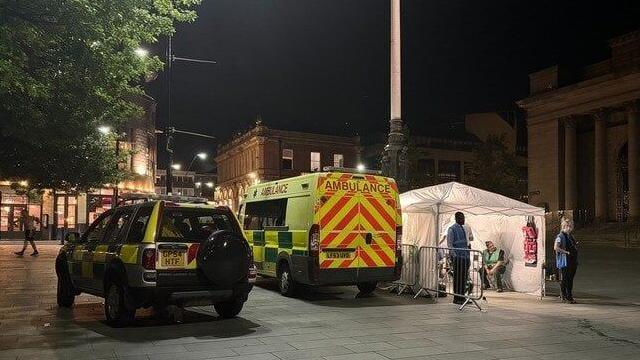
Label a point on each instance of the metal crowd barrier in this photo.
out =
(451, 271)
(409, 267)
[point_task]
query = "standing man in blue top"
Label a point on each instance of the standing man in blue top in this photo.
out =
(457, 239)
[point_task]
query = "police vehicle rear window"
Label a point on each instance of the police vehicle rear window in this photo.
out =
(193, 225)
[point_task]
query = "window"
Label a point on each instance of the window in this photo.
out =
(118, 228)
(426, 167)
(338, 160)
(139, 225)
(315, 161)
(449, 170)
(287, 159)
(261, 214)
(193, 225)
(98, 228)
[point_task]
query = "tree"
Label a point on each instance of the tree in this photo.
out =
(495, 168)
(66, 68)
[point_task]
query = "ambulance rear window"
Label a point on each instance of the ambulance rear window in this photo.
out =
(261, 214)
(193, 225)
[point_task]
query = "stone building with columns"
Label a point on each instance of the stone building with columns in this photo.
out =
(584, 133)
(264, 154)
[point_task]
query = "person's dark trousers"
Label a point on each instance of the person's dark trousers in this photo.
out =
(498, 274)
(566, 284)
(460, 274)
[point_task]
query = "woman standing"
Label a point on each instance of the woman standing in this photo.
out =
(566, 259)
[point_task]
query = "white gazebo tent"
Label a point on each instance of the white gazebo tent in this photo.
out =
(428, 212)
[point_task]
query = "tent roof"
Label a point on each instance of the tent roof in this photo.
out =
(454, 196)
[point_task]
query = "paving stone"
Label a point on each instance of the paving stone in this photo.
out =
(258, 349)
(360, 348)
(311, 354)
(360, 356)
(330, 323)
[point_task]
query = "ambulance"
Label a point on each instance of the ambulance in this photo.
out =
(325, 228)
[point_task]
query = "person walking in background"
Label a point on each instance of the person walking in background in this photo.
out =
(29, 226)
(566, 248)
(457, 239)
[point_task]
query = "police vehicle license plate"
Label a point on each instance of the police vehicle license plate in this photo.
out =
(338, 254)
(172, 258)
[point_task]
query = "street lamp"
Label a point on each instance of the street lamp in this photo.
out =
(141, 52)
(176, 166)
(104, 129)
(201, 155)
(361, 167)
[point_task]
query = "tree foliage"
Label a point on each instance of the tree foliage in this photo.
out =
(495, 168)
(66, 68)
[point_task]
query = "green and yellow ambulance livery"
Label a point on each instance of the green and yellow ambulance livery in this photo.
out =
(328, 228)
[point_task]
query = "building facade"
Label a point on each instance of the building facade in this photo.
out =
(60, 212)
(584, 133)
(186, 183)
(448, 157)
(264, 154)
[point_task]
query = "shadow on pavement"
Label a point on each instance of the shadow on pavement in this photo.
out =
(197, 323)
(341, 296)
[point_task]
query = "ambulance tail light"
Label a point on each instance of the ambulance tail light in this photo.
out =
(314, 253)
(314, 240)
(398, 268)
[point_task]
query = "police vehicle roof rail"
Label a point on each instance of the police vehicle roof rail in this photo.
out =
(128, 199)
(351, 170)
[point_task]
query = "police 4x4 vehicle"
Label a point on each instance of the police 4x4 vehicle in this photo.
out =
(328, 228)
(158, 253)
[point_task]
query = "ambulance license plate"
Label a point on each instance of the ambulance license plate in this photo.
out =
(172, 258)
(338, 254)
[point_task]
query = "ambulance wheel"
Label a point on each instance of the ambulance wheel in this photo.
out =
(367, 287)
(286, 284)
(229, 309)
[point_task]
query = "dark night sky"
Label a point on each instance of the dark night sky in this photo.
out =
(323, 65)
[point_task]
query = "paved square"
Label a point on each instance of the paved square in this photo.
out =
(326, 324)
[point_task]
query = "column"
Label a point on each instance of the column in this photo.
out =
(600, 159)
(633, 144)
(570, 167)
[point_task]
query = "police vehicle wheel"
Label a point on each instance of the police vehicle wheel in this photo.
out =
(229, 309)
(115, 309)
(65, 292)
(286, 284)
(367, 287)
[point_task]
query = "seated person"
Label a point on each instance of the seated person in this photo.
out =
(494, 264)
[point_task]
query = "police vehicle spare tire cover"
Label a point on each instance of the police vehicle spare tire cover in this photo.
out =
(224, 258)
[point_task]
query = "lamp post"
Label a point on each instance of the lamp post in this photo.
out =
(170, 130)
(394, 162)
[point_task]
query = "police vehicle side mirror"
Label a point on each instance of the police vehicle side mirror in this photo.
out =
(72, 237)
